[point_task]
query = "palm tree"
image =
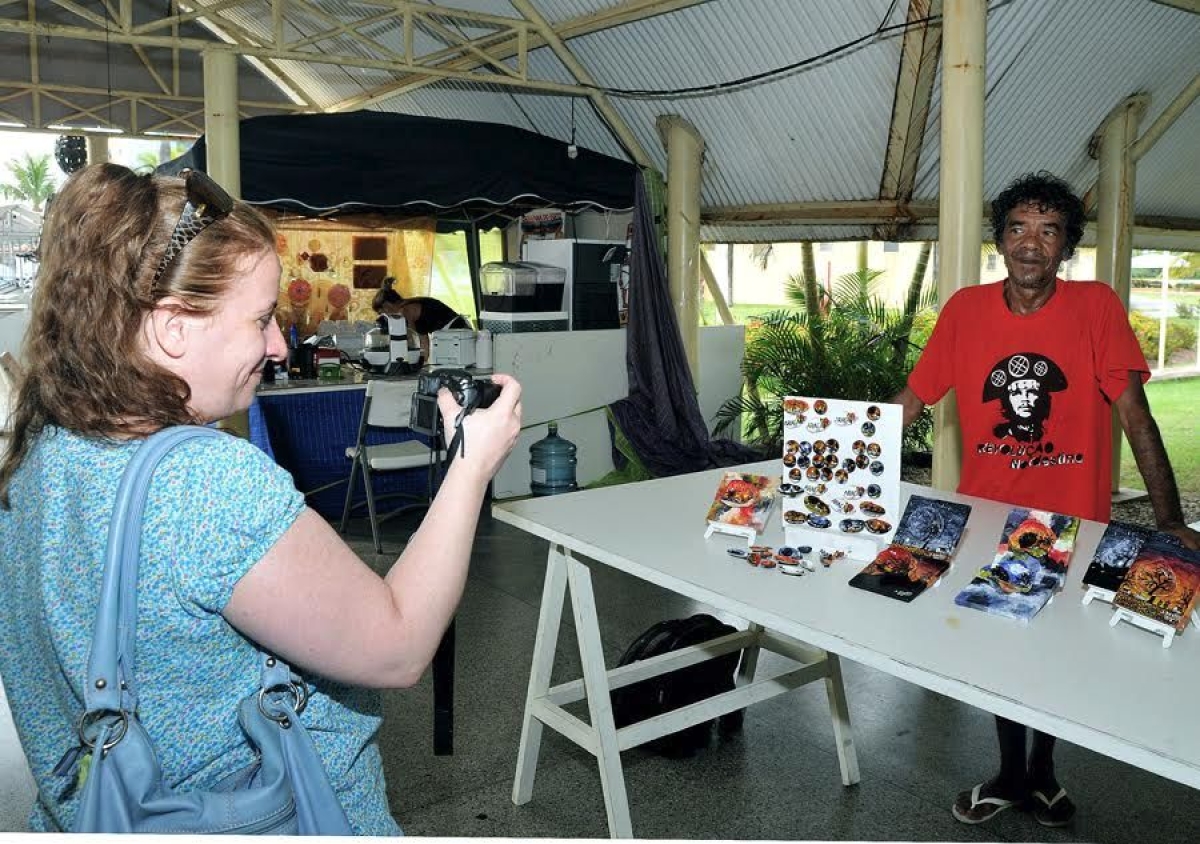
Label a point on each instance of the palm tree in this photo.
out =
(147, 160)
(846, 344)
(31, 182)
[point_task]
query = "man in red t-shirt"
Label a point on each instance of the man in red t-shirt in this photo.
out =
(1037, 364)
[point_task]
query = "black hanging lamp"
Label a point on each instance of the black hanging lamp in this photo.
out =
(70, 151)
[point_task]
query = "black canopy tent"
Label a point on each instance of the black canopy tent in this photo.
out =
(466, 174)
(458, 170)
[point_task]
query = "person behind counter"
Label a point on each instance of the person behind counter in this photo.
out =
(424, 314)
(1038, 364)
(184, 282)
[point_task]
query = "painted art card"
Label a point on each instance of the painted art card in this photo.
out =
(900, 573)
(841, 468)
(743, 500)
(1162, 583)
(1029, 567)
(1118, 548)
(934, 527)
(920, 553)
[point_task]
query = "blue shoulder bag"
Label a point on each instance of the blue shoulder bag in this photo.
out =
(285, 792)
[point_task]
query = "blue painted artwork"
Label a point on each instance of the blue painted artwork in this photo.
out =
(932, 526)
(1029, 567)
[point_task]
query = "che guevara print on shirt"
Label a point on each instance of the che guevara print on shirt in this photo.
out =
(1023, 387)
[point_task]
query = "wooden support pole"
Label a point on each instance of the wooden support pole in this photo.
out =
(685, 149)
(960, 217)
(1113, 145)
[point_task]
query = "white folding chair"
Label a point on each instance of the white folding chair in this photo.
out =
(388, 405)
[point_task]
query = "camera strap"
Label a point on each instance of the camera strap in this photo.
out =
(458, 442)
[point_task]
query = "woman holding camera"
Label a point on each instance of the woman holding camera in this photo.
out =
(184, 281)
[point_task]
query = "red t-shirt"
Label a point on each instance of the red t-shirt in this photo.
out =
(1034, 393)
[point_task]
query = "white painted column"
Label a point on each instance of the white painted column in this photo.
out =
(97, 149)
(960, 213)
(221, 120)
(1114, 216)
(223, 147)
(685, 150)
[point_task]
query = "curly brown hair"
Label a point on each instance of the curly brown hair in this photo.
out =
(84, 364)
(1049, 193)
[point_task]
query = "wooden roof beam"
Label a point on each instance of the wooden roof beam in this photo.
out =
(869, 212)
(1192, 6)
(453, 58)
(919, 56)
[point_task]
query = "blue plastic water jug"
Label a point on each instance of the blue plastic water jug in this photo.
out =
(552, 464)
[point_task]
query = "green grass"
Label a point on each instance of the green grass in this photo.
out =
(709, 315)
(1176, 406)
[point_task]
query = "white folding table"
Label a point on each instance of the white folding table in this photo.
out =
(1068, 673)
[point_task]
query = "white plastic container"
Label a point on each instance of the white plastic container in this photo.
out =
(522, 287)
(483, 349)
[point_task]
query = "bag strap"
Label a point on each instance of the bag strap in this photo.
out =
(110, 674)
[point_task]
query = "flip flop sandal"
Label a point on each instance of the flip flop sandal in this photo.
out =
(995, 804)
(1055, 812)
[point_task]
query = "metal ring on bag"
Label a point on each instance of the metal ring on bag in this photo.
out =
(299, 702)
(90, 719)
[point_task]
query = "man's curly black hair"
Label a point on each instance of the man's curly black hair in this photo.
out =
(1048, 193)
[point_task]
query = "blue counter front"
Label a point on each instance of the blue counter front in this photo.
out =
(310, 425)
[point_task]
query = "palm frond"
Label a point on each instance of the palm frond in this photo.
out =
(853, 346)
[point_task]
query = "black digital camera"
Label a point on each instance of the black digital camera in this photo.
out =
(467, 391)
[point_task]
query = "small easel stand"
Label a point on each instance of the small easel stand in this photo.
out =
(1097, 594)
(1164, 630)
(744, 531)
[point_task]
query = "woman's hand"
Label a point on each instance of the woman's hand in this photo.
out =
(360, 628)
(489, 433)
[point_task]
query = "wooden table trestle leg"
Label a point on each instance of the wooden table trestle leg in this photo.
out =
(545, 643)
(839, 713)
(563, 572)
(595, 681)
(749, 662)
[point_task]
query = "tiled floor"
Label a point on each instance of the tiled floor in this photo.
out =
(777, 779)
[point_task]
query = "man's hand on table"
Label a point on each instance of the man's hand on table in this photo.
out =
(1188, 536)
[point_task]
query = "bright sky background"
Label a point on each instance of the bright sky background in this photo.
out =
(16, 144)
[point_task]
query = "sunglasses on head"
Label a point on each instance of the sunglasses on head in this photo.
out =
(207, 202)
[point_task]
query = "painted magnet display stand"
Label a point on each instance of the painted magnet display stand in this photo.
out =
(841, 474)
(1167, 631)
(746, 533)
(1095, 593)
(1118, 548)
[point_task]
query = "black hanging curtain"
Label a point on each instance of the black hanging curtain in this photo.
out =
(661, 417)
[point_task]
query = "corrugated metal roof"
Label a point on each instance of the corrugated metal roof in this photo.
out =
(1166, 176)
(1054, 70)
(794, 136)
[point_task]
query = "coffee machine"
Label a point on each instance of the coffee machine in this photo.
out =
(387, 347)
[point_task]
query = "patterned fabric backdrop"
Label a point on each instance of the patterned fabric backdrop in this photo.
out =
(332, 270)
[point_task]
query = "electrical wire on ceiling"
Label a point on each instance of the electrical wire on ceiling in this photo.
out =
(881, 31)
